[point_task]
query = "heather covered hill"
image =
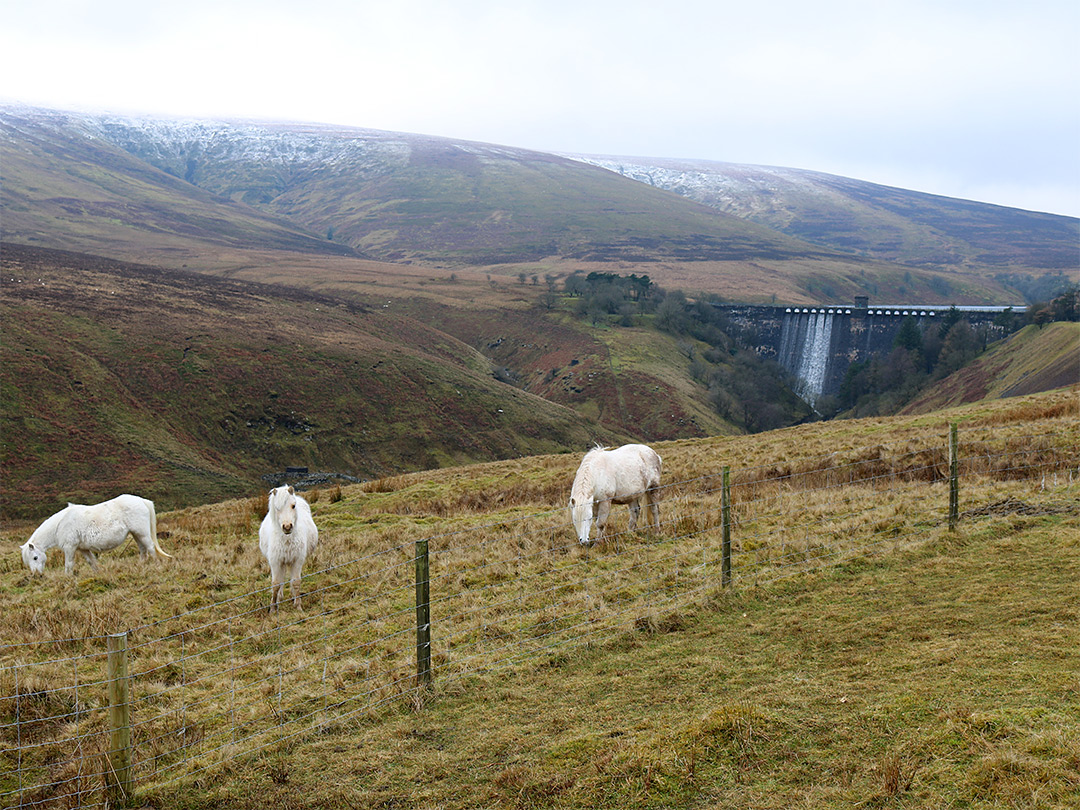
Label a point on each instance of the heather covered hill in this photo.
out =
(188, 389)
(398, 196)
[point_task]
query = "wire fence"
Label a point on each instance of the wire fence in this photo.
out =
(226, 680)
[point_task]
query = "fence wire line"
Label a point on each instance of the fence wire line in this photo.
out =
(284, 678)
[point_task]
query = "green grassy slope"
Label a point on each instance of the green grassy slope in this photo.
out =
(398, 196)
(486, 206)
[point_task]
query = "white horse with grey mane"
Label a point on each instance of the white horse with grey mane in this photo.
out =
(78, 528)
(626, 475)
(287, 536)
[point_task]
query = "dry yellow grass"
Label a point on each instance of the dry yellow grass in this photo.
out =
(218, 677)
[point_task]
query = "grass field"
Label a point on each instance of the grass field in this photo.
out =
(864, 657)
(941, 677)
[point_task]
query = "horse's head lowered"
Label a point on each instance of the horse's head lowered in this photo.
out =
(283, 506)
(33, 557)
(581, 513)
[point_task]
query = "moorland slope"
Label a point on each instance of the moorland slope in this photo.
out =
(189, 388)
(887, 223)
(866, 653)
(144, 189)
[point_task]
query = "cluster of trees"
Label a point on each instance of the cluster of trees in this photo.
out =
(745, 388)
(1063, 307)
(918, 357)
(599, 296)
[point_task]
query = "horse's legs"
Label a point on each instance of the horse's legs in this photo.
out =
(90, 558)
(603, 509)
(653, 501)
(295, 584)
(144, 539)
(277, 585)
(69, 560)
(635, 508)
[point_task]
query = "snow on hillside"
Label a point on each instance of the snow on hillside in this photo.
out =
(735, 188)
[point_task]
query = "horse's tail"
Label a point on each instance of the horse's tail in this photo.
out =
(153, 532)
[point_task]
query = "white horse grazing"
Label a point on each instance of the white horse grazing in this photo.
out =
(89, 529)
(287, 535)
(629, 474)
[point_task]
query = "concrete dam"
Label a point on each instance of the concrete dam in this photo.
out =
(818, 344)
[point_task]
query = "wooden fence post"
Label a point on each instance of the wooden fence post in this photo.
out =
(954, 478)
(118, 759)
(725, 521)
(423, 615)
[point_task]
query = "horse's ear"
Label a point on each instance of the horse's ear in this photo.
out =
(291, 490)
(30, 545)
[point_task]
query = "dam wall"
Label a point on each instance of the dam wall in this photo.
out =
(818, 344)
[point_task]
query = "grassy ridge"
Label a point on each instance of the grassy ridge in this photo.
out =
(889, 224)
(64, 190)
(453, 205)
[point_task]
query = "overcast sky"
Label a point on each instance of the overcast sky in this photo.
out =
(979, 99)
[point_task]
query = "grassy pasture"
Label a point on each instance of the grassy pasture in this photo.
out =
(865, 656)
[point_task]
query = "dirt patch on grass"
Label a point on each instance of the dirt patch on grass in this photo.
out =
(1015, 506)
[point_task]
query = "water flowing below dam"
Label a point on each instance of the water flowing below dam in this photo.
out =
(806, 340)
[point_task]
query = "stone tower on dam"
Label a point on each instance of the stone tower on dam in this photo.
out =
(818, 344)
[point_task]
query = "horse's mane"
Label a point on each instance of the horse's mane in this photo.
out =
(583, 480)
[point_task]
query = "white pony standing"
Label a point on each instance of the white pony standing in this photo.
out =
(287, 535)
(89, 529)
(629, 474)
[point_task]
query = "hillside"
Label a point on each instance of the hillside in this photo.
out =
(67, 190)
(1034, 359)
(239, 255)
(189, 388)
(890, 224)
(410, 198)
